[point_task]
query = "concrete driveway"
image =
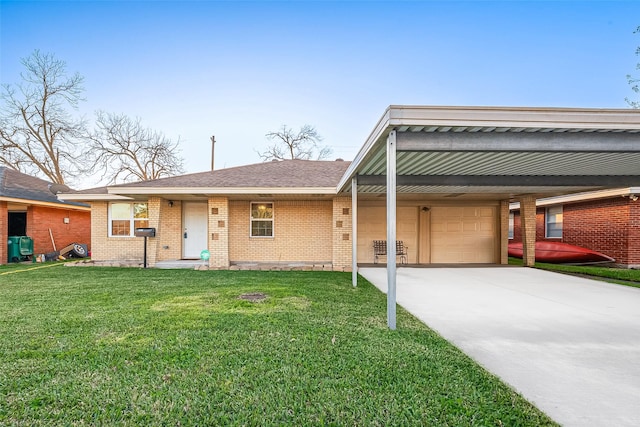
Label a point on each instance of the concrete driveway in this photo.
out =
(569, 345)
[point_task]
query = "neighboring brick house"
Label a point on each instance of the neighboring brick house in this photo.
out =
(29, 208)
(605, 221)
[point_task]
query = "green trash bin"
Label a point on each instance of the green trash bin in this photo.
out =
(20, 248)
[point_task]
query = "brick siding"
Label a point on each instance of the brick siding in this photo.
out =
(41, 219)
(610, 226)
(504, 231)
(603, 226)
(633, 248)
(167, 245)
(529, 229)
(342, 243)
(4, 227)
(169, 230)
(218, 236)
(302, 232)
(153, 205)
(314, 232)
(105, 248)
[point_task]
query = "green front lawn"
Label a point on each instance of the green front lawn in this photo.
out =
(622, 276)
(108, 346)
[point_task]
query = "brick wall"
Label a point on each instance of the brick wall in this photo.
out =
(4, 227)
(105, 248)
(218, 212)
(601, 225)
(169, 231)
(302, 233)
(529, 229)
(342, 243)
(540, 225)
(633, 253)
(610, 226)
(153, 206)
(167, 245)
(42, 218)
(517, 227)
(504, 231)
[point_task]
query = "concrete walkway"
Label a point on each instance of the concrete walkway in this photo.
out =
(569, 345)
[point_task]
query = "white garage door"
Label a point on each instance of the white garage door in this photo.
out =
(464, 234)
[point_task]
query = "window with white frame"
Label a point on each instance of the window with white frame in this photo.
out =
(261, 219)
(553, 222)
(511, 225)
(124, 218)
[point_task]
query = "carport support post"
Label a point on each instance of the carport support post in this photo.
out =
(354, 231)
(504, 231)
(391, 230)
(528, 226)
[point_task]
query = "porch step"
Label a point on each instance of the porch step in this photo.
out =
(180, 263)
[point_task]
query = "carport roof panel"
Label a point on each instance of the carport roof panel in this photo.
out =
(415, 120)
(509, 163)
(448, 191)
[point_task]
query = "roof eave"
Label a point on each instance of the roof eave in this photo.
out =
(43, 203)
(221, 190)
(382, 126)
(91, 197)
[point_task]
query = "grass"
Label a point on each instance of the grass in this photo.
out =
(108, 346)
(621, 276)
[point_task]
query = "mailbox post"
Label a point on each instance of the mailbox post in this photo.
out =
(145, 232)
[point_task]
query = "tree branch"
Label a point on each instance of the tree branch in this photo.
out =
(288, 144)
(123, 150)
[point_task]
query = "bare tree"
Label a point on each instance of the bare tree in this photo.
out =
(634, 81)
(38, 134)
(124, 151)
(289, 144)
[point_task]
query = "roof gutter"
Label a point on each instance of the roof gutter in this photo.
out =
(48, 204)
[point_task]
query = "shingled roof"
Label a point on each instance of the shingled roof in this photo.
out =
(286, 176)
(17, 185)
(276, 174)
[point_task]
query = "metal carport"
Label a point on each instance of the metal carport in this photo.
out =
(506, 154)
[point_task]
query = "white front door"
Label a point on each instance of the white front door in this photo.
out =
(194, 231)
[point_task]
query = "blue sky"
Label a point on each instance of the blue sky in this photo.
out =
(241, 69)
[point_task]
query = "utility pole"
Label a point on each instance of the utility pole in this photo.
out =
(213, 149)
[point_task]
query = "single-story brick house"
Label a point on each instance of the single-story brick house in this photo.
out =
(29, 208)
(283, 212)
(446, 174)
(606, 221)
